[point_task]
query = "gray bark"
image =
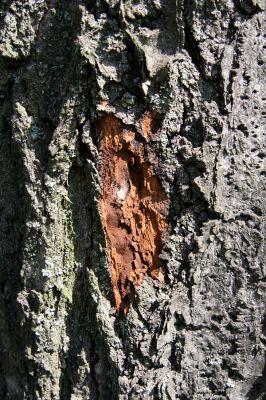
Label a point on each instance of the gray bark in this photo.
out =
(200, 65)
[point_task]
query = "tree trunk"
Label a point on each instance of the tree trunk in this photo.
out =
(131, 158)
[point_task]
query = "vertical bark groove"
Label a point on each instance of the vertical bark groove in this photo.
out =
(131, 179)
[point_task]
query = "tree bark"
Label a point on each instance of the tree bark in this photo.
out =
(131, 200)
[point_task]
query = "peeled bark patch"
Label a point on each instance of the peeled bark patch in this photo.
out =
(133, 206)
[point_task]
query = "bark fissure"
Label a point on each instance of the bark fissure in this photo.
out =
(131, 200)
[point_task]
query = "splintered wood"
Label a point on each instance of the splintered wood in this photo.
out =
(133, 205)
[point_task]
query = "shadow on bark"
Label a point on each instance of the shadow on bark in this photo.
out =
(87, 371)
(258, 389)
(13, 369)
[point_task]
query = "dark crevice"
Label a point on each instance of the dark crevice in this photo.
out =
(49, 128)
(247, 8)
(94, 360)
(215, 170)
(81, 324)
(138, 70)
(96, 8)
(258, 389)
(41, 24)
(192, 47)
(137, 59)
(232, 30)
(13, 206)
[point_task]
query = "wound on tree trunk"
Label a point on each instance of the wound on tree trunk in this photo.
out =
(133, 206)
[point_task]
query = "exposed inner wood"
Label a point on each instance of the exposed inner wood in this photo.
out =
(133, 206)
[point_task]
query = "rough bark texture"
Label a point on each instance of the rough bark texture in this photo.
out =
(195, 329)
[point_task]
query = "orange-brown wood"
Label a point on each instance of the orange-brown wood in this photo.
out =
(133, 207)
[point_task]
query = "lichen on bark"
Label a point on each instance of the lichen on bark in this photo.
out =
(172, 94)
